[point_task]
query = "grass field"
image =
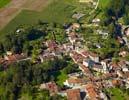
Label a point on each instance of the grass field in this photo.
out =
(4, 2)
(58, 11)
(103, 4)
(117, 94)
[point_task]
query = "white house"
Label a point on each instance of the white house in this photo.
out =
(94, 57)
(73, 82)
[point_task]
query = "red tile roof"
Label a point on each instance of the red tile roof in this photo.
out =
(52, 87)
(51, 44)
(77, 57)
(92, 91)
(85, 53)
(75, 80)
(73, 94)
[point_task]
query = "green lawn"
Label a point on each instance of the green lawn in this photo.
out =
(117, 94)
(103, 4)
(4, 2)
(59, 11)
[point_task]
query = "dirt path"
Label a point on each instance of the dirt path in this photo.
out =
(15, 6)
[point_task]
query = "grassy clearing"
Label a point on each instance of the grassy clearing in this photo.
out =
(4, 2)
(117, 94)
(103, 4)
(57, 11)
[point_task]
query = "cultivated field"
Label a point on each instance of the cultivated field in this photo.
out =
(15, 6)
(57, 11)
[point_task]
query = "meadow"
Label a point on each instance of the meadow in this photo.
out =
(4, 3)
(56, 11)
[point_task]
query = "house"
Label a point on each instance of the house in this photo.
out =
(126, 76)
(103, 33)
(114, 66)
(86, 71)
(47, 56)
(14, 57)
(123, 65)
(78, 15)
(77, 58)
(73, 94)
(92, 92)
(94, 57)
(85, 1)
(51, 86)
(2, 60)
(120, 73)
(120, 40)
(116, 82)
(123, 53)
(88, 62)
(84, 53)
(96, 21)
(98, 68)
(51, 44)
(73, 82)
(72, 37)
(105, 63)
(9, 53)
(126, 31)
(76, 26)
(68, 47)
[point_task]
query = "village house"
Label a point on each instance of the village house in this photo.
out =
(73, 82)
(86, 71)
(77, 58)
(76, 26)
(105, 64)
(72, 28)
(84, 53)
(51, 86)
(120, 40)
(72, 37)
(85, 1)
(116, 82)
(68, 47)
(96, 21)
(123, 53)
(126, 31)
(9, 53)
(126, 78)
(98, 68)
(48, 56)
(51, 44)
(88, 62)
(14, 57)
(123, 65)
(92, 92)
(113, 66)
(120, 73)
(78, 15)
(103, 33)
(94, 57)
(73, 94)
